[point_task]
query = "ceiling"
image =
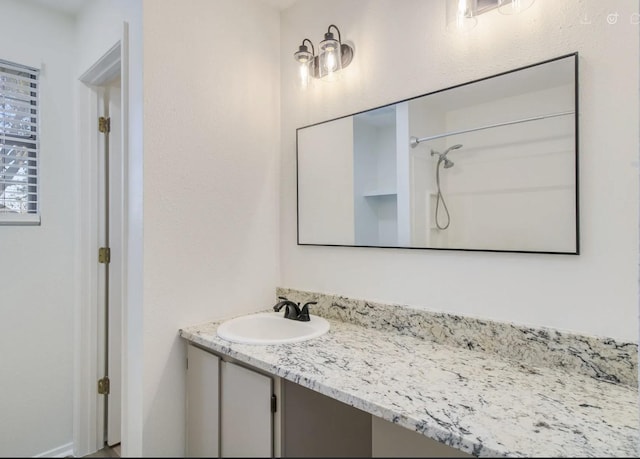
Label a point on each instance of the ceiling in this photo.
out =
(279, 4)
(74, 6)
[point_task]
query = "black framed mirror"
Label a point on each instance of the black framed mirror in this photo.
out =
(488, 165)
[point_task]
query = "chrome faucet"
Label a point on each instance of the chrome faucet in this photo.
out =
(293, 311)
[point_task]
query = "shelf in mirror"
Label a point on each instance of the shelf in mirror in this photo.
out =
(379, 193)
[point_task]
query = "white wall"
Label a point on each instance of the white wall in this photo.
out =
(211, 183)
(402, 50)
(37, 263)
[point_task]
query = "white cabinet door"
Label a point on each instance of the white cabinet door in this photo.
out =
(246, 421)
(203, 395)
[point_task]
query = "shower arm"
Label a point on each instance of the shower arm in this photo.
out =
(414, 141)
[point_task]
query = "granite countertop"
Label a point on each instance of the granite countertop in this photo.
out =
(480, 403)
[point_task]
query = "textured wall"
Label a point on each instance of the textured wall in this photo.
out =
(37, 262)
(211, 167)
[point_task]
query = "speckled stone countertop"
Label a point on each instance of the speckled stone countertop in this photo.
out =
(477, 403)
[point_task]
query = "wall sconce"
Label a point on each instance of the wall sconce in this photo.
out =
(332, 57)
(462, 14)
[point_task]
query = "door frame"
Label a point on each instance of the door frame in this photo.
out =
(89, 349)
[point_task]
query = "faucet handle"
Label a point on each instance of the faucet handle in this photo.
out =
(304, 313)
(293, 312)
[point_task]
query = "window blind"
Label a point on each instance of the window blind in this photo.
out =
(19, 144)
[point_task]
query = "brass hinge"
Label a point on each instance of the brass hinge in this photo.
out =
(104, 255)
(103, 386)
(104, 124)
(274, 403)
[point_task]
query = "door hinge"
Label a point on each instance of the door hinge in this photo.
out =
(274, 403)
(103, 386)
(104, 255)
(104, 124)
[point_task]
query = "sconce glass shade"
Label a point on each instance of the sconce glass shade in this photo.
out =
(514, 6)
(303, 73)
(330, 56)
(305, 60)
(302, 55)
(461, 15)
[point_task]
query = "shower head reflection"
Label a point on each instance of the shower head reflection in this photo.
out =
(442, 157)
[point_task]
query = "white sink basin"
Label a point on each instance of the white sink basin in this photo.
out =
(271, 328)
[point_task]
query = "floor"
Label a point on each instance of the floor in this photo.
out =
(107, 451)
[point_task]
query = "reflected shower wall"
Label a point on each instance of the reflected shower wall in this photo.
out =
(511, 186)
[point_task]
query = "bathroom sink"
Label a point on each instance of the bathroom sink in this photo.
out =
(271, 328)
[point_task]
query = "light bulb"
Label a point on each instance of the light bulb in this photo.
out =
(304, 74)
(331, 61)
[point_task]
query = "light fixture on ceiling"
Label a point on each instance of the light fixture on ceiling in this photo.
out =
(514, 6)
(333, 56)
(462, 15)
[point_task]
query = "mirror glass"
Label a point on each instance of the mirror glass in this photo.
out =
(488, 165)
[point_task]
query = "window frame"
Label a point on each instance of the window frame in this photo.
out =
(30, 145)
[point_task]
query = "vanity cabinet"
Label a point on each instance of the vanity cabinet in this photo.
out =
(230, 408)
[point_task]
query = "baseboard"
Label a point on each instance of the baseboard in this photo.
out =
(60, 451)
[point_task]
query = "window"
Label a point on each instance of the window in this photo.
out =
(19, 141)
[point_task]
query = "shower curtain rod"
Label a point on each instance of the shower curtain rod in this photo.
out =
(414, 141)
